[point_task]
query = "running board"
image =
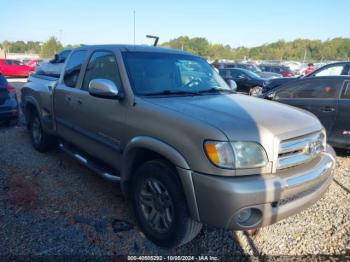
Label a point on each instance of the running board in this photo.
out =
(88, 162)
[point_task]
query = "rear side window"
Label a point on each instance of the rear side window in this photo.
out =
(63, 56)
(346, 92)
(73, 68)
(310, 89)
(102, 64)
(15, 62)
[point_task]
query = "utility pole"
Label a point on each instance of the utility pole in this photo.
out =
(305, 52)
(60, 35)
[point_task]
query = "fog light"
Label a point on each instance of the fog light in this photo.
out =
(244, 215)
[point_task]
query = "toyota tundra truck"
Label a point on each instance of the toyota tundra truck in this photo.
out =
(185, 149)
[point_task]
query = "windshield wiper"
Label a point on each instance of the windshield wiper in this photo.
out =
(217, 90)
(170, 92)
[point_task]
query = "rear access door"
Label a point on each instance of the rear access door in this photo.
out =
(341, 133)
(319, 95)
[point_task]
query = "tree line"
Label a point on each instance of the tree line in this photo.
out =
(299, 49)
(44, 49)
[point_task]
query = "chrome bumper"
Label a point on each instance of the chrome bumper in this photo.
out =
(272, 197)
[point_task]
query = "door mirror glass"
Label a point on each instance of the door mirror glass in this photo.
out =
(233, 85)
(103, 88)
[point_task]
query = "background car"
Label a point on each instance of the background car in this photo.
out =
(250, 67)
(9, 109)
(33, 63)
(285, 71)
(328, 97)
(247, 81)
(11, 67)
(333, 69)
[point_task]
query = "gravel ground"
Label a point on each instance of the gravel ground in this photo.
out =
(324, 228)
(51, 205)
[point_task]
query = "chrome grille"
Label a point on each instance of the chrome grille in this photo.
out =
(299, 150)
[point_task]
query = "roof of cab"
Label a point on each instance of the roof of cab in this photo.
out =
(136, 48)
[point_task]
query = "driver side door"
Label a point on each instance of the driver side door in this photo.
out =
(100, 122)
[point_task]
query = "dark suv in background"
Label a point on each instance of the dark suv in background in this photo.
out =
(247, 81)
(250, 67)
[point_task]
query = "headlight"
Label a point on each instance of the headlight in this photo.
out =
(249, 155)
(236, 155)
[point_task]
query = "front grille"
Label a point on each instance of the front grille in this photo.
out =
(293, 152)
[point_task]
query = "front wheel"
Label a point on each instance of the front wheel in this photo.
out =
(255, 91)
(160, 206)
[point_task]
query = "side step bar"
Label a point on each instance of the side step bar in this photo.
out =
(93, 165)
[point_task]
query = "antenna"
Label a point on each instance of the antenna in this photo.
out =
(134, 26)
(154, 37)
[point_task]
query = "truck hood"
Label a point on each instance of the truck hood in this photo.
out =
(245, 118)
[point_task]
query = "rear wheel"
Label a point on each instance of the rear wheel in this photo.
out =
(160, 206)
(41, 141)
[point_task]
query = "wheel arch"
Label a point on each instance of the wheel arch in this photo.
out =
(143, 148)
(30, 106)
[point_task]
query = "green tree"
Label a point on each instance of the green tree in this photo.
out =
(50, 47)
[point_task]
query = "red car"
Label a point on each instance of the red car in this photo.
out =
(33, 63)
(11, 67)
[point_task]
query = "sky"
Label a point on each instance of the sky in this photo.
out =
(234, 22)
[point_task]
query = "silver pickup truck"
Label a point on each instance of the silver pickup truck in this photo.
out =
(184, 147)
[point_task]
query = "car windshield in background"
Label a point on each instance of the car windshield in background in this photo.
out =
(251, 74)
(166, 74)
(253, 68)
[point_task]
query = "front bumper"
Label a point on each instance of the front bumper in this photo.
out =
(270, 198)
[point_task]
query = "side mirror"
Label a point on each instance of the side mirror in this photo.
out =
(233, 85)
(103, 88)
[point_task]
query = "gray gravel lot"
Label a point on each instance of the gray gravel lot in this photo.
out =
(51, 205)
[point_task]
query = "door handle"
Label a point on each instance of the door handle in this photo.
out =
(327, 109)
(68, 98)
(80, 102)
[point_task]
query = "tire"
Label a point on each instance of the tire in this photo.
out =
(255, 91)
(41, 141)
(156, 190)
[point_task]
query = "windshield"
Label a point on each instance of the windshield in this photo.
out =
(152, 73)
(254, 68)
(251, 74)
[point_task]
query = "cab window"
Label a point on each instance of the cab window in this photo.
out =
(102, 64)
(319, 89)
(73, 68)
(331, 71)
